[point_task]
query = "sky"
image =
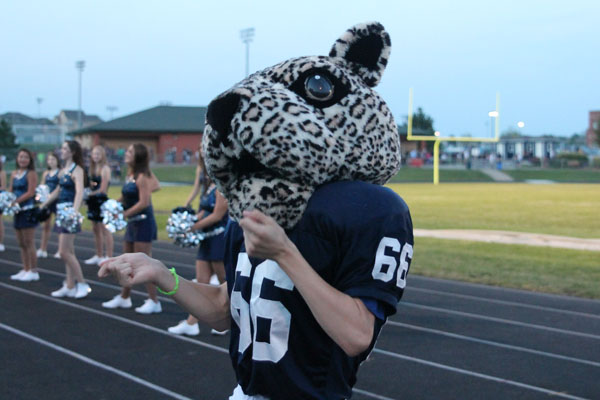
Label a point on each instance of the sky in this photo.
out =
(542, 57)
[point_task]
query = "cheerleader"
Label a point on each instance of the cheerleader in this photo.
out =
(69, 194)
(23, 181)
(212, 214)
(50, 179)
(2, 189)
(99, 182)
(141, 226)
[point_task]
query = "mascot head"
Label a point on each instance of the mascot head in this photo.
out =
(273, 138)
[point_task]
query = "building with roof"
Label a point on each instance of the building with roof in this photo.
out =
(35, 133)
(171, 133)
(593, 128)
(68, 120)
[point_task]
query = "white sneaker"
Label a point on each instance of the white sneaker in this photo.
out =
(117, 302)
(41, 253)
(219, 333)
(183, 328)
(18, 275)
(64, 291)
(83, 289)
(2, 248)
(150, 306)
(92, 260)
(56, 255)
(101, 260)
(30, 276)
(214, 280)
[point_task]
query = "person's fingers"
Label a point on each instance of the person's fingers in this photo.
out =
(256, 215)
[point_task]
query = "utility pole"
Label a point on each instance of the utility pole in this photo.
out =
(111, 110)
(246, 35)
(39, 102)
(80, 65)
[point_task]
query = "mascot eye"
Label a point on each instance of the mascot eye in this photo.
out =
(318, 87)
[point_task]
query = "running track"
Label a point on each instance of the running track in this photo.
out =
(449, 340)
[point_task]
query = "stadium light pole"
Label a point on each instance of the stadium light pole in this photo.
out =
(39, 102)
(80, 65)
(111, 110)
(246, 35)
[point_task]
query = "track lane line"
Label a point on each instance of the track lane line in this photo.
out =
(506, 302)
(94, 363)
(375, 350)
(494, 344)
(149, 327)
(480, 375)
(501, 320)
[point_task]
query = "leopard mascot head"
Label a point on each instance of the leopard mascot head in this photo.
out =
(273, 138)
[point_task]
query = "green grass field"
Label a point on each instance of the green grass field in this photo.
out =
(557, 175)
(560, 209)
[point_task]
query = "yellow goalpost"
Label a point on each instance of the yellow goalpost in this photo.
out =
(437, 138)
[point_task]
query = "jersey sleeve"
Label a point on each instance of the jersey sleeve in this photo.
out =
(375, 257)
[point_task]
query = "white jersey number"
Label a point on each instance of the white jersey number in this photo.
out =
(243, 312)
(385, 265)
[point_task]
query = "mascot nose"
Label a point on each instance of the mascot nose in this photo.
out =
(221, 111)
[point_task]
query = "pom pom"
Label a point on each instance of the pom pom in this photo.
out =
(42, 192)
(6, 201)
(112, 215)
(67, 217)
(179, 228)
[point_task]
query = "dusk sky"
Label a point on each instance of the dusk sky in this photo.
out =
(543, 57)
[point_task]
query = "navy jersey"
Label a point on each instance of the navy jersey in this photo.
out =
(358, 237)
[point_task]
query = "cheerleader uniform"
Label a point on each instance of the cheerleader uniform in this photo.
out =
(94, 202)
(52, 182)
(142, 226)
(23, 219)
(66, 196)
(212, 248)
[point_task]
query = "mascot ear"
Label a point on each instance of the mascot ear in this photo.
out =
(367, 48)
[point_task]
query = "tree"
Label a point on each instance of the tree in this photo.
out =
(7, 137)
(511, 133)
(423, 125)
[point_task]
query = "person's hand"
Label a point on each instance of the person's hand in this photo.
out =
(263, 237)
(132, 268)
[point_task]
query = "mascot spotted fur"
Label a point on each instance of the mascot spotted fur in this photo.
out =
(277, 135)
(308, 143)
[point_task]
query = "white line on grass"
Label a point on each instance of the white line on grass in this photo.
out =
(94, 363)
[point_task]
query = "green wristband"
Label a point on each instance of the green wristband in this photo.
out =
(172, 292)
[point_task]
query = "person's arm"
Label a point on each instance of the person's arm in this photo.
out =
(2, 180)
(219, 211)
(154, 183)
(43, 178)
(32, 180)
(344, 318)
(10, 180)
(105, 174)
(53, 196)
(210, 304)
(77, 176)
(143, 184)
(196, 188)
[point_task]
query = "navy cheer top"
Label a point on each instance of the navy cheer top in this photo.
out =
(207, 204)
(51, 181)
(67, 187)
(131, 196)
(19, 187)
